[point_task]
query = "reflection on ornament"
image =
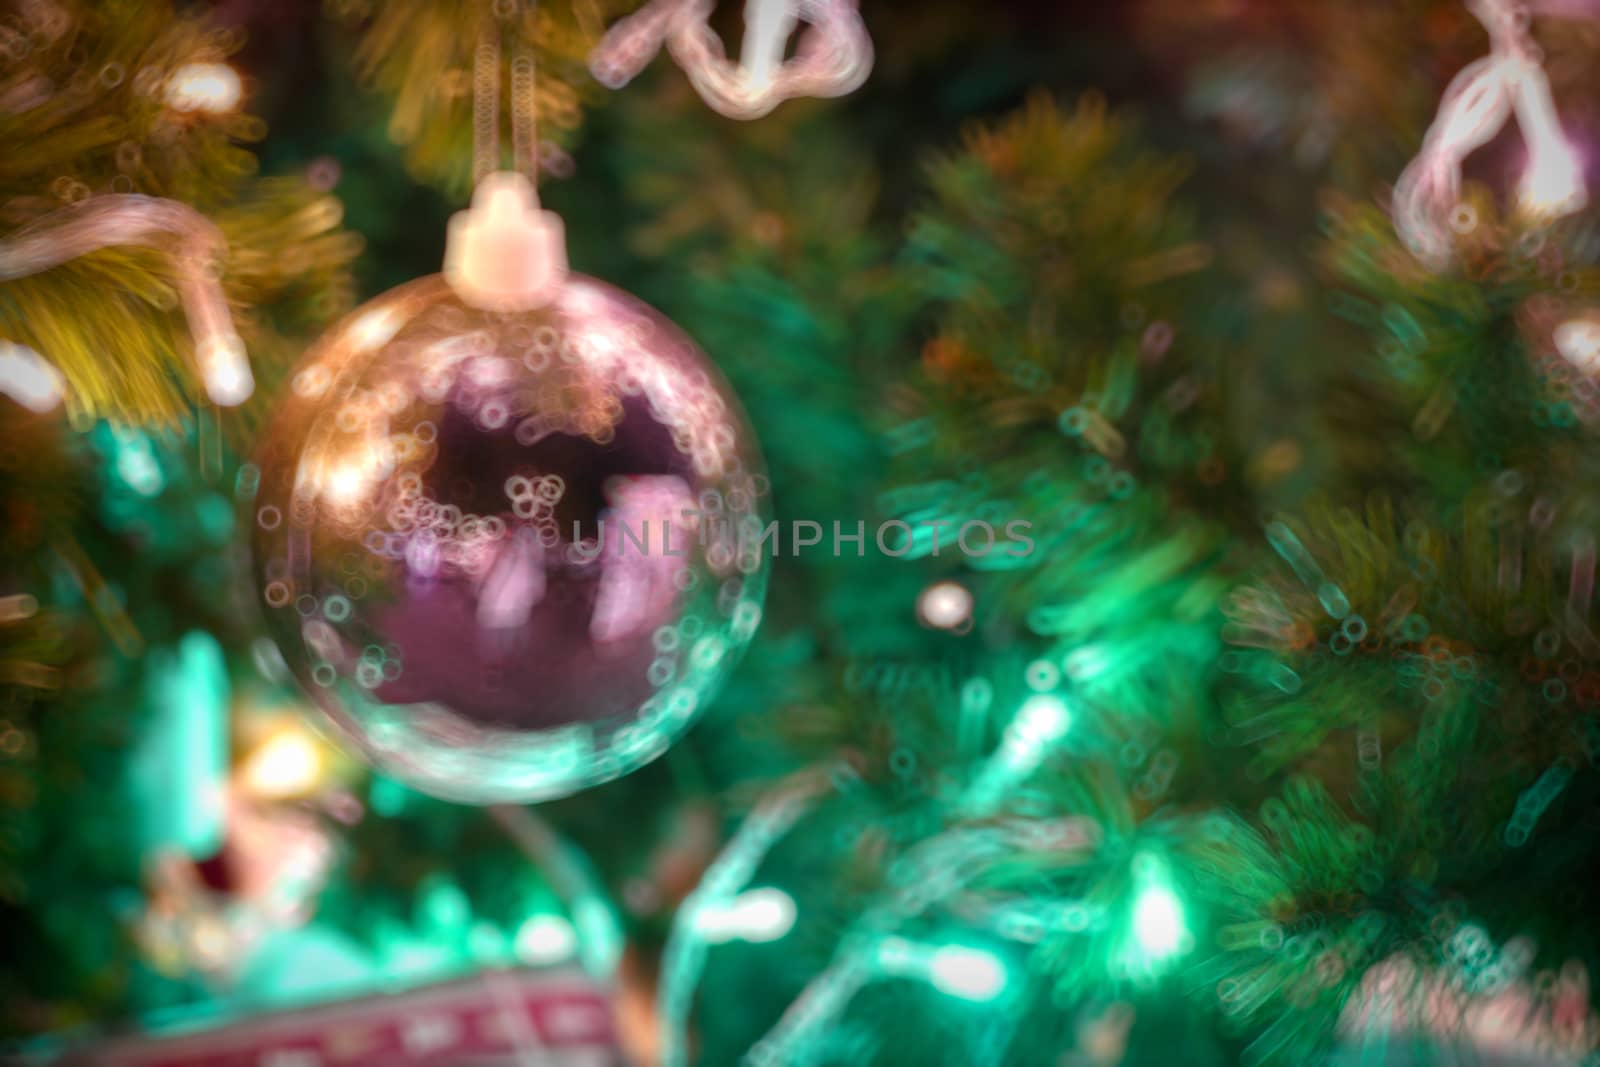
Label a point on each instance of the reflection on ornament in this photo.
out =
(505, 550)
(26, 378)
(945, 606)
(211, 87)
(1475, 107)
(834, 56)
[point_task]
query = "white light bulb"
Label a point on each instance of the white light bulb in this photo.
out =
(225, 370)
(27, 378)
(1578, 341)
(1158, 923)
(764, 914)
(211, 87)
(756, 915)
(287, 764)
(945, 606)
(767, 26)
(969, 973)
(545, 939)
(1042, 718)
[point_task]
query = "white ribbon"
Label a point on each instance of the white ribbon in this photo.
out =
(834, 57)
(128, 219)
(1510, 80)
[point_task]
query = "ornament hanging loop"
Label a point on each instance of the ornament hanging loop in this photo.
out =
(834, 57)
(524, 116)
(505, 253)
(487, 70)
(486, 102)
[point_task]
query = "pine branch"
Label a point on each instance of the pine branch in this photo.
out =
(1059, 393)
(89, 109)
(420, 54)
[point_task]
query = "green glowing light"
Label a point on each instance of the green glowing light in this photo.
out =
(181, 764)
(445, 909)
(600, 942)
(1042, 718)
(387, 796)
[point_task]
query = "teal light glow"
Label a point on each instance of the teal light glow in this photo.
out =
(488, 943)
(1041, 721)
(181, 765)
(444, 908)
(136, 463)
(1043, 718)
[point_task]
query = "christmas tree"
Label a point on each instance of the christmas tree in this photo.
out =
(920, 534)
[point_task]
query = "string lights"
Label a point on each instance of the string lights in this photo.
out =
(505, 253)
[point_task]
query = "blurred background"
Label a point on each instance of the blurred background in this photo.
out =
(1278, 749)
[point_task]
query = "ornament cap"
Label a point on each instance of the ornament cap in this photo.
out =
(504, 253)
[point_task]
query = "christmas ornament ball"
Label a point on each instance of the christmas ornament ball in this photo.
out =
(509, 554)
